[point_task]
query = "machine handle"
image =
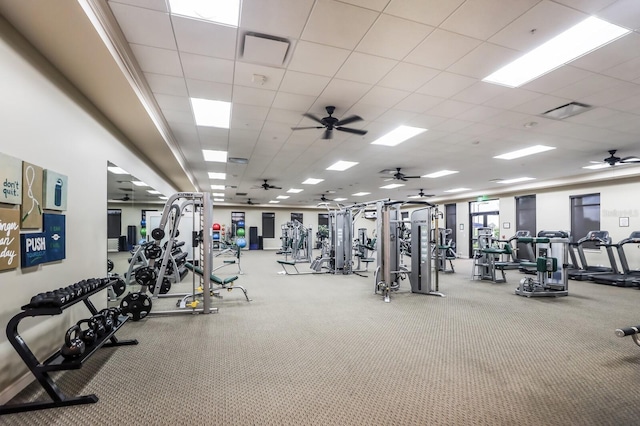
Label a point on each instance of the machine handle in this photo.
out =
(627, 331)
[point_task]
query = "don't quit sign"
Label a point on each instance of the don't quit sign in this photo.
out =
(9, 239)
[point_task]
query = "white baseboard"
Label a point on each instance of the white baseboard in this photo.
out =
(15, 388)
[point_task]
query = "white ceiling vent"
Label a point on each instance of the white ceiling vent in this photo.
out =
(265, 50)
(566, 111)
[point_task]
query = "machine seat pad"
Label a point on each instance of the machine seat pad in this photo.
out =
(286, 262)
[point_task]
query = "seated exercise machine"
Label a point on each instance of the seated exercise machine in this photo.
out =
(550, 265)
(486, 258)
(446, 250)
(516, 253)
(586, 272)
(362, 246)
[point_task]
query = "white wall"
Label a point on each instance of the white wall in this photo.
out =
(44, 125)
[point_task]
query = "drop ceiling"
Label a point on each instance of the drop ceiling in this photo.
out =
(392, 62)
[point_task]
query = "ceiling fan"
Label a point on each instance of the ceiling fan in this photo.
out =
(324, 199)
(125, 198)
(251, 203)
(421, 194)
(330, 123)
(613, 160)
(398, 175)
(266, 186)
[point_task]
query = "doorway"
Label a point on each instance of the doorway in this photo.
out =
(483, 214)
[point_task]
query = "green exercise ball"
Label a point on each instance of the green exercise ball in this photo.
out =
(240, 232)
(143, 232)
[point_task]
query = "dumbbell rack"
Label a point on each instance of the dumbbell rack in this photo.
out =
(57, 362)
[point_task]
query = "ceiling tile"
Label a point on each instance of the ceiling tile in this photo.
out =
(166, 84)
(480, 92)
(384, 97)
(446, 84)
(195, 36)
(418, 103)
(613, 94)
(365, 68)
(248, 112)
(483, 60)
(293, 102)
(396, 116)
(588, 6)
(393, 37)
(430, 12)
(244, 76)
(284, 18)
(426, 121)
(541, 104)
(317, 59)
(589, 85)
(478, 113)
(160, 5)
(625, 13)
(408, 77)
(483, 18)
(449, 108)
(209, 90)
(378, 5)
(547, 18)
(511, 98)
(441, 49)
(453, 125)
(628, 71)
(476, 129)
(207, 68)
(614, 53)
(253, 96)
(343, 91)
(368, 112)
(176, 103)
(180, 117)
(292, 118)
(556, 79)
(144, 26)
(338, 24)
(303, 84)
(157, 61)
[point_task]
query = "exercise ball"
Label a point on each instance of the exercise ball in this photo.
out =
(216, 236)
(216, 226)
(143, 223)
(142, 241)
(143, 232)
(241, 224)
(240, 232)
(241, 242)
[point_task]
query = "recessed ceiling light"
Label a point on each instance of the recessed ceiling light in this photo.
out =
(282, 197)
(515, 180)
(210, 113)
(274, 202)
(440, 174)
(524, 152)
(218, 194)
(312, 181)
(398, 135)
(153, 191)
(597, 166)
(117, 170)
(217, 187)
(392, 186)
(360, 194)
(214, 175)
(339, 199)
(212, 155)
(341, 165)
(578, 40)
(222, 12)
(294, 190)
(138, 183)
(458, 190)
(219, 200)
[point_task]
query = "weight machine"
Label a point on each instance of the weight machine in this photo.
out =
(363, 245)
(296, 241)
(446, 250)
(486, 257)
(551, 266)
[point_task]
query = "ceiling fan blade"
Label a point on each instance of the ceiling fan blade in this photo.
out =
(348, 120)
(350, 130)
(313, 117)
(412, 177)
(275, 187)
(403, 178)
(328, 134)
(632, 159)
(309, 127)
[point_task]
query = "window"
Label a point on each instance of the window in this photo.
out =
(526, 213)
(114, 223)
(450, 220)
(296, 216)
(268, 225)
(585, 217)
(323, 219)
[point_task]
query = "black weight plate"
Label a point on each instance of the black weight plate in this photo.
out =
(136, 305)
(119, 287)
(164, 287)
(157, 234)
(152, 251)
(109, 265)
(145, 275)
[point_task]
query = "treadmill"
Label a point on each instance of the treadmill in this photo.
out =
(587, 272)
(628, 278)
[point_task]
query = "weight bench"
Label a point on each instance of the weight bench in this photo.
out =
(290, 263)
(226, 283)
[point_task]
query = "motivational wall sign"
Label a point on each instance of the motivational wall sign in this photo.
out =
(31, 208)
(33, 249)
(11, 178)
(55, 191)
(9, 239)
(54, 228)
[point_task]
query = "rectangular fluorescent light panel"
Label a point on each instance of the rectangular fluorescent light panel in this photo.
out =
(360, 194)
(440, 174)
(339, 199)
(392, 186)
(212, 155)
(117, 170)
(225, 12)
(213, 175)
(413, 196)
(218, 187)
(341, 166)
(295, 190)
(398, 135)
(211, 113)
(524, 152)
(153, 191)
(458, 190)
(516, 180)
(274, 202)
(162, 197)
(312, 181)
(588, 35)
(138, 183)
(597, 166)
(218, 194)
(219, 200)
(282, 197)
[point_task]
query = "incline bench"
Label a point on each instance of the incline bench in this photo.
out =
(226, 283)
